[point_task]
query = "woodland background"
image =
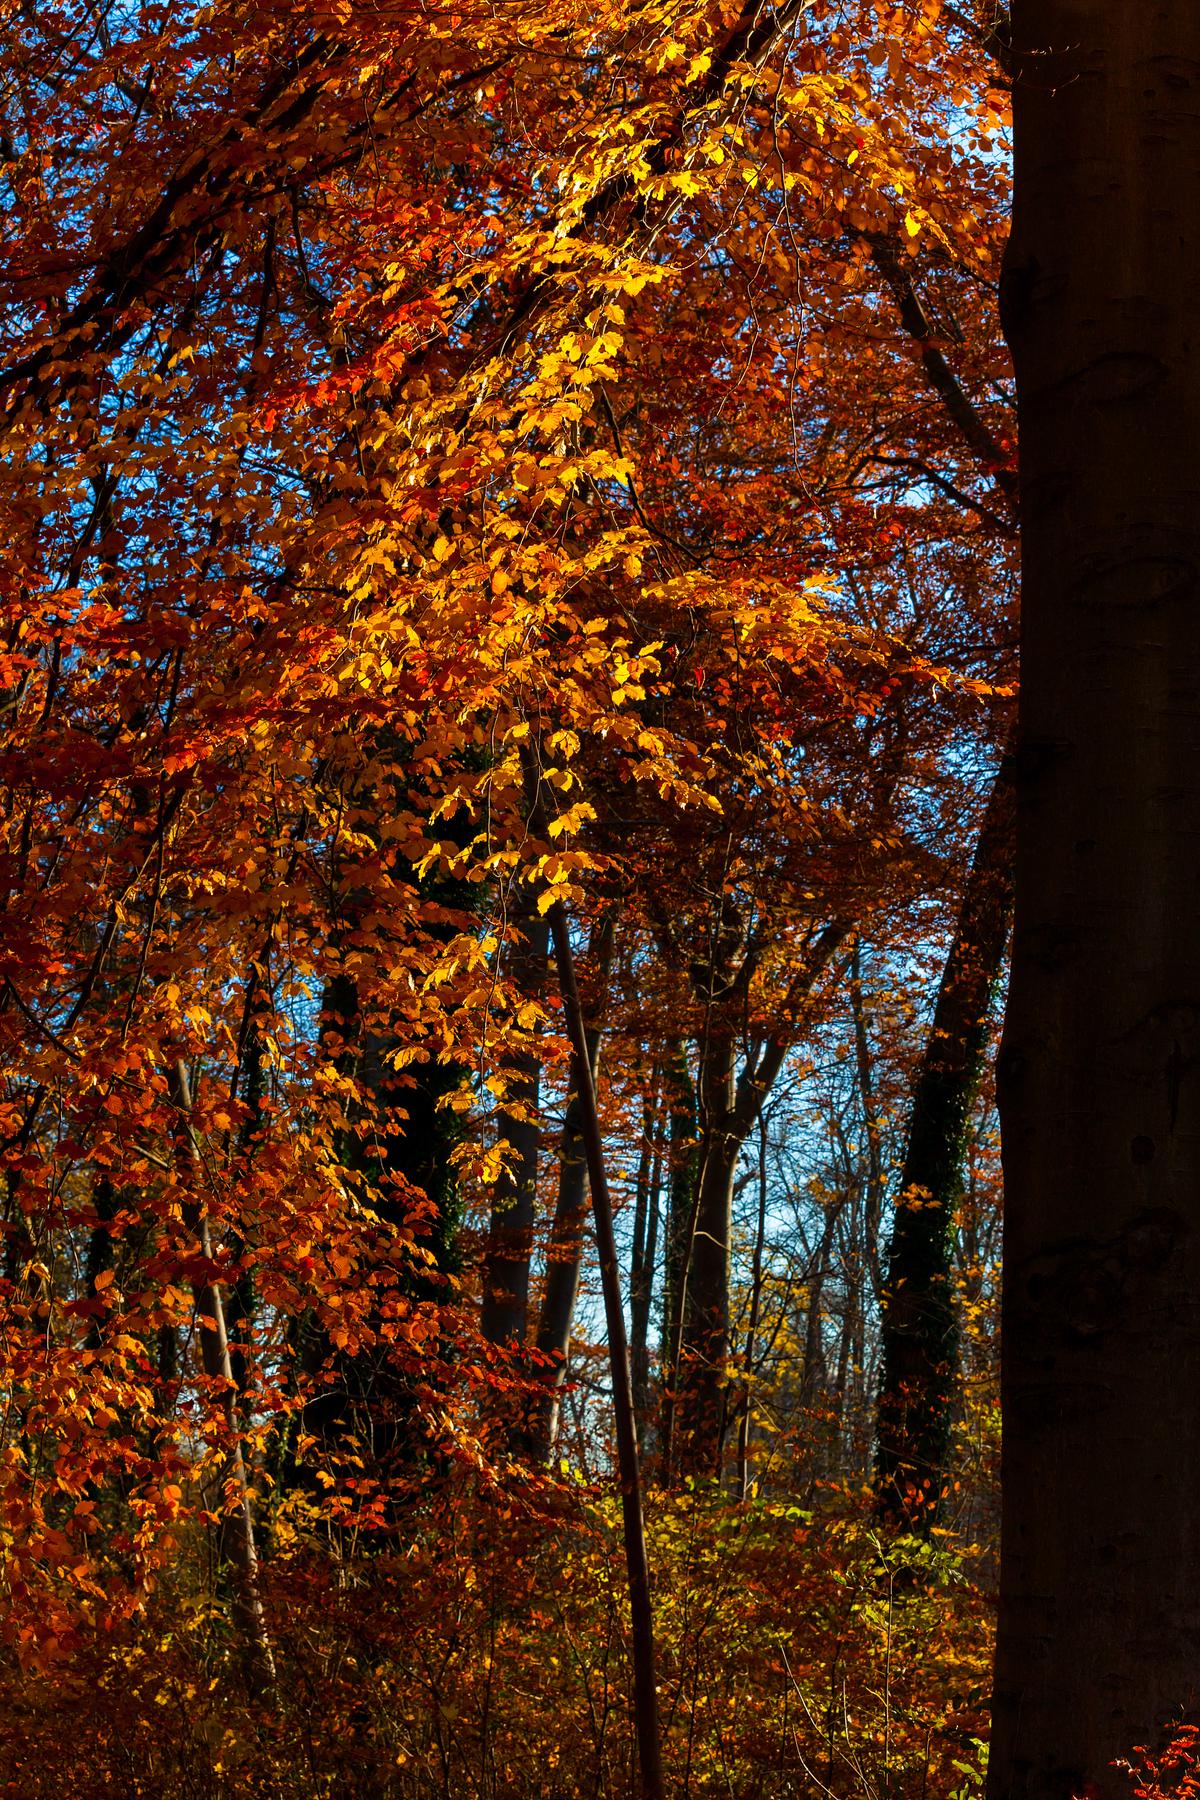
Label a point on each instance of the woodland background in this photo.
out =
(493, 493)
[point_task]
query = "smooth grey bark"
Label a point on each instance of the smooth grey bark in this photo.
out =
(1099, 1075)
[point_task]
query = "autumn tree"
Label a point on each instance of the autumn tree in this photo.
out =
(474, 475)
(919, 1325)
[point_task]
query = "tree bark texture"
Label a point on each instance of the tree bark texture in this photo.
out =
(704, 1347)
(1099, 1631)
(919, 1328)
(401, 1138)
(505, 1312)
(564, 1252)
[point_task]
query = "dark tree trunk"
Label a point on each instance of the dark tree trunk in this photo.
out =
(645, 1261)
(1099, 1630)
(874, 1183)
(504, 1318)
(704, 1344)
(919, 1336)
(750, 1348)
(564, 1252)
(651, 1782)
(406, 1133)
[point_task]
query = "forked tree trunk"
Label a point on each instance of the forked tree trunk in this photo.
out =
(729, 1105)
(1099, 1632)
(919, 1324)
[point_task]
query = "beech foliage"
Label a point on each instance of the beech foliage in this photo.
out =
(473, 474)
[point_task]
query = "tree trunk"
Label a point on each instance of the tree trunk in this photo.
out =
(919, 1335)
(875, 1182)
(402, 1137)
(750, 1348)
(641, 1284)
(645, 1685)
(1099, 1631)
(704, 1344)
(238, 1525)
(504, 1318)
(729, 1105)
(564, 1253)
(682, 1194)
(814, 1374)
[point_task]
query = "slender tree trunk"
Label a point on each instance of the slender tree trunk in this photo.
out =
(641, 1285)
(564, 1252)
(814, 1374)
(704, 1350)
(841, 1385)
(645, 1686)
(851, 1433)
(564, 1262)
(504, 1318)
(1099, 1628)
(641, 1215)
(750, 1349)
(238, 1531)
(682, 1197)
(919, 1327)
(814, 1378)
(875, 1183)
